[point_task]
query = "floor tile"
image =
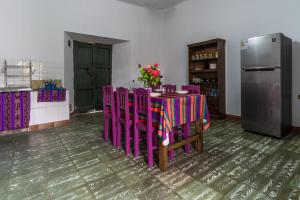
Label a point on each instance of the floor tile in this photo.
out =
(77, 194)
(64, 184)
(242, 192)
(95, 172)
(174, 178)
(107, 187)
(196, 190)
(124, 195)
(159, 192)
(74, 162)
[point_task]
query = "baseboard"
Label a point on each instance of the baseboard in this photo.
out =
(296, 129)
(36, 127)
(238, 118)
(11, 132)
(49, 125)
(233, 117)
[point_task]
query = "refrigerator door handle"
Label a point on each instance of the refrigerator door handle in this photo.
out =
(260, 68)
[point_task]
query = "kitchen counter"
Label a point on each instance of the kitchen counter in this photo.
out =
(48, 112)
(20, 108)
(15, 89)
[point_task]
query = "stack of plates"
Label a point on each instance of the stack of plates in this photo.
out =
(182, 91)
(155, 94)
(158, 90)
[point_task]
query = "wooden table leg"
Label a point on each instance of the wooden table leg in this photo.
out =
(199, 130)
(163, 157)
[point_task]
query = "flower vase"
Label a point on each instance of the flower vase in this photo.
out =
(147, 86)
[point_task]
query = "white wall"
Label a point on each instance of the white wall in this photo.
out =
(35, 29)
(198, 20)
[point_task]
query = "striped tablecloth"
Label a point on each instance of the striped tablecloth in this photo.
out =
(55, 95)
(172, 111)
(14, 110)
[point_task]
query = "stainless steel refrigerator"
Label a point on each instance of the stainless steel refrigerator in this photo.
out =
(266, 76)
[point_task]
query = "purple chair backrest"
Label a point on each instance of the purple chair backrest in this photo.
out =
(108, 99)
(156, 87)
(170, 88)
(193, 89)
(122, 101)
(142, 104)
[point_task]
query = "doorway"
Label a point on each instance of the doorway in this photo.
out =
(92, 70)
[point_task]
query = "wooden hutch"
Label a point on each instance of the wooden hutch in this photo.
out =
(207, 69)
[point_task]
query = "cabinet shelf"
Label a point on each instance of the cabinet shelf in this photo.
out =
(203, 60)
(17, 66)
(204, 83)
(208, 83)
(205, 71)
(216, 104)
(18, 75)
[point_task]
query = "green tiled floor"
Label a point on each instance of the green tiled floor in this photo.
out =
(74, 162)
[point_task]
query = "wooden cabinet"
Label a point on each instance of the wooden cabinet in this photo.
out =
(207, 69)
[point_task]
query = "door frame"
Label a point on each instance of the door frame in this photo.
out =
(94, 46)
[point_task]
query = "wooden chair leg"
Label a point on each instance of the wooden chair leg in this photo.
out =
(114, 132)
(155, 139)
(186, 134)
(127, 139)
(163, 157)
(172, 140)
(150, 148)
(106, 124)
(119, 134)
(136, 142)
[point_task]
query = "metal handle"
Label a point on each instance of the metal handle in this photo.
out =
(260, 68)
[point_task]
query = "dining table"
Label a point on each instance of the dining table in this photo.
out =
(170, 111)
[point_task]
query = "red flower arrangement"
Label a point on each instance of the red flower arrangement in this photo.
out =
(150, 75)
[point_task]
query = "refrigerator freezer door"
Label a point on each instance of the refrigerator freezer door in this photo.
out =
(263, 51)
(261, 101)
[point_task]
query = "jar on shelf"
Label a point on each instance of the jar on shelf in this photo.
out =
(216, 54)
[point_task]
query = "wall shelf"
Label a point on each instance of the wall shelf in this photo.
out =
(17, 76)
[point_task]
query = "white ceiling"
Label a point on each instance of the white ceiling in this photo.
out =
(154, 4)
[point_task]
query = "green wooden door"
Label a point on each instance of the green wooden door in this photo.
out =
(92, 70)
(102, 63)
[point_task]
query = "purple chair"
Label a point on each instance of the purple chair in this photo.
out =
(169, 88)
(156, 87)
(123, 118)
(109, 113)
(193, 89)
(143, 122)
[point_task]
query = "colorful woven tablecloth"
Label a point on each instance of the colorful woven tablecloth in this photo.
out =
(180, 110)
(170, 112)
(14, 110)
(55, 95)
